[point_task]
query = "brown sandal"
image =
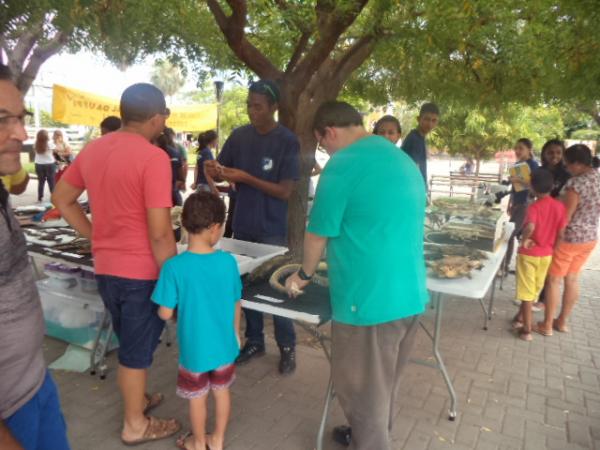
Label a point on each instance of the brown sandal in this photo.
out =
(157, 429)
(152, 401)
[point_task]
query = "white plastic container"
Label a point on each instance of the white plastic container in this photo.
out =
(71, 314)
(248, 255)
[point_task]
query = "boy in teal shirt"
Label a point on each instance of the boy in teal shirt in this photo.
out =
(204, 285)
(376, 266)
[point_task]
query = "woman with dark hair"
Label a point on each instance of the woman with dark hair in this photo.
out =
(582, 200)
(552, 160)
(45, 164)
(164, 143)
(207, 141)
(389, 128)
(517, 206)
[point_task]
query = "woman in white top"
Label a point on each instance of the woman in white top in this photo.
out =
(45, 164)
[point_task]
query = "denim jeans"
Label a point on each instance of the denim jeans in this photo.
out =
(45, 174)
(134, 318)
(39, 424)
(285, 336)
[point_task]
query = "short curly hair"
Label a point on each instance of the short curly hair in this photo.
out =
(201, 210)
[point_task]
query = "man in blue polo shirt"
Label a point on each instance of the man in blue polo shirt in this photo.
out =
(376, 267)
(414, 144)
(262, 159)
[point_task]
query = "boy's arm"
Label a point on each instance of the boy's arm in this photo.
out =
(236, 320)
(526, 241)
(165, 313)
(7, 441)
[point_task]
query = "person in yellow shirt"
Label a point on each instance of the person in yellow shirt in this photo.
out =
(16, 183)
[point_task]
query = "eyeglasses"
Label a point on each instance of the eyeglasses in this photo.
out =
(10, 120)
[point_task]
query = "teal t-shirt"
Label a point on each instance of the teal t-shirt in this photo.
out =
(370, 204)
(205, 289)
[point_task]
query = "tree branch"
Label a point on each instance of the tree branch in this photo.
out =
(298, 50)
(25, 44)
(332, 23)
(232, 28)
(25, 78)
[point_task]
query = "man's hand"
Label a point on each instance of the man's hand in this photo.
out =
(234, 175)
(294, 285)
(528, 243)
(213, 169)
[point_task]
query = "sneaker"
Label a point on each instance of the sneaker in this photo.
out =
(287, 363)
(248, 352)
(342, 435)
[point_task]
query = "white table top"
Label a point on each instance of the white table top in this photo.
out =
(477, 286)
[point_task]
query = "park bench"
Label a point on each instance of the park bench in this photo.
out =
(449, 183)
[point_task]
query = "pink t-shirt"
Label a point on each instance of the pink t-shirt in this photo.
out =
(124, 175)
(549, 217)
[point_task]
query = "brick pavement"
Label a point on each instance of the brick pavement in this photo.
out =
(512, 394)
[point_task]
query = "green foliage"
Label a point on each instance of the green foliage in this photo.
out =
(168, 77)
(481, 132)
(46, 121)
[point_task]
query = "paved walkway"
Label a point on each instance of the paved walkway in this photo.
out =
(512, 394)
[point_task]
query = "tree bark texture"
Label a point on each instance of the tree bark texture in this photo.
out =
(312, 76)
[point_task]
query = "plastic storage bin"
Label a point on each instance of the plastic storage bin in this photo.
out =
(71, 314)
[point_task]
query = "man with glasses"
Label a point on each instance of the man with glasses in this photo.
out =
(262, 160)
(30, 415)
(376, 269)
(128, 184)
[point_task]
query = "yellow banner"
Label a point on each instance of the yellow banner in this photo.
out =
(75, 107)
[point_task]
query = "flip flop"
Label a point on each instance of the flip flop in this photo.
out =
(564, 329)
(516, 325)
(157, 429)
(152, 401)
(539, 330)
(180, 442)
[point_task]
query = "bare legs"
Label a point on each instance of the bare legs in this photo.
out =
(132, 383)
(200, 440)
(569, 299)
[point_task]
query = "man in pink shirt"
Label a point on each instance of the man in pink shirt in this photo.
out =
(128, 184)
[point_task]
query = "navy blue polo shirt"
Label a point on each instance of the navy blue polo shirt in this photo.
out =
(203, 155)
(415, 147)
(272, 157)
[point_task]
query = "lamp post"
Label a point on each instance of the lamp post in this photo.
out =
(219, 84)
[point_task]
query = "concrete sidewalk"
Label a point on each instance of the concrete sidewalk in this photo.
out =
(512, 394)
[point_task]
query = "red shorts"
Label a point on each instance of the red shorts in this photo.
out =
(569, 259)
(197, 384)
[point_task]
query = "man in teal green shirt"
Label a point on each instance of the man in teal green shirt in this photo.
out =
(376, 266)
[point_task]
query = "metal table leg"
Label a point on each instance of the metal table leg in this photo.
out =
(328, 398)
(101, 345)
(438, 356)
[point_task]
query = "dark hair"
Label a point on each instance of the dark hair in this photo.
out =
(336, 114)
(268, 88)
(580, 153)
(170, 135)
(542, 181)
(387, 119)
(111, 123)
(547, 145)
(206, 138)
(140, 102)
(5, 73)
(201, 210)
(431, 108)
(41, 142)
(526, 142)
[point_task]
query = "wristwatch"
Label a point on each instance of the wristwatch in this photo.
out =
(303, 275)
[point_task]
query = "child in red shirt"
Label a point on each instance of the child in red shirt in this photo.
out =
(545, 221)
